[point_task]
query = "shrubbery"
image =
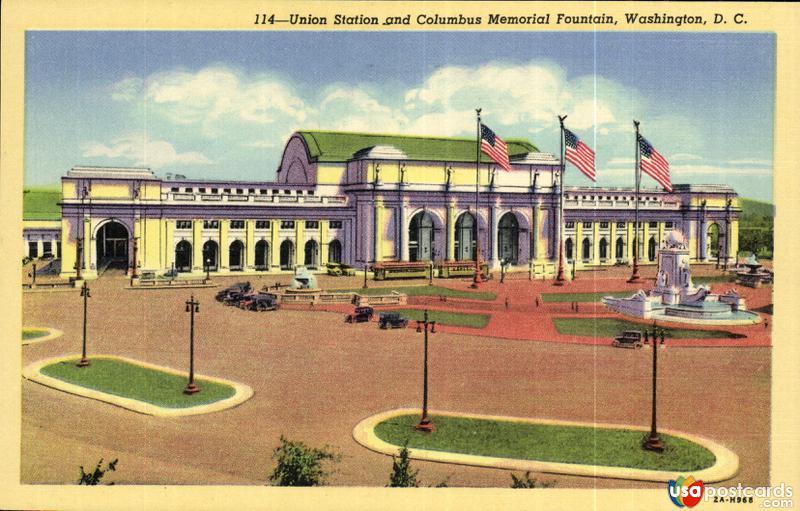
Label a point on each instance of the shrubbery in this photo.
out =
(300, 465)
(93, 478)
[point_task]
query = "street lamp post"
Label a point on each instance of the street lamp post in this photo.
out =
(366, 268)
(33, 276)
(85, 294)
(653, 442)
(192, 307)
(425, 424)
(430, 274)
(208, 269)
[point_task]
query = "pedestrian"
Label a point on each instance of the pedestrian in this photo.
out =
(576, 306)
(766, 323)
(537, 301)
(506, 303)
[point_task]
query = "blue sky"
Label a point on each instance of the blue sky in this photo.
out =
(221, 104)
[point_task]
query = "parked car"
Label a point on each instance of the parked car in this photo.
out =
(241, 287)
(263, 302)
(234, 297)
(628, 339)
(392, 320)
(339, 269)
(360, 315)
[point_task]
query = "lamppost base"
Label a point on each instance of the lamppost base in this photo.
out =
(653, 443)
(476, 281)
(634, 279)
(83, 362)
(426, 426)
(191, 389)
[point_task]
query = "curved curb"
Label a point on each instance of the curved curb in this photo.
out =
(52, 333)
(726, 466)
(241, 392)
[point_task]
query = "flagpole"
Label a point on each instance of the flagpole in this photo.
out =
(477, 278)
(638, 175)
(560, 279)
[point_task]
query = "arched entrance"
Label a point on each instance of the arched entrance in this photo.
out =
(287, 255)
(651, 249)
(112, 244)
(568, 248)
(420, 237)
(311, 253)
(211, 255)
(466, 234)
(236, 255)
(603, 249)
(586, 250)
(262, 255)
(335, 251)
(714, 239)
(619, 250)
(183, 256)
(508, 238)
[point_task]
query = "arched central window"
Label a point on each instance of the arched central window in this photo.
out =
(508, 238)
(287, 255)
(420, 237)
(586, 250)
(603, 249)
(466, 236)
(210, 255)
(619, 250)
(183, 256)
(651, 249)
(335, 251)
(713, 240)
(311, 253)
(568, 248)
(262, 255)
(236, 256)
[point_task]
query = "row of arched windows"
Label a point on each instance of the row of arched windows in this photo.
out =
(619, 249)
(421, 237)
(236, 255)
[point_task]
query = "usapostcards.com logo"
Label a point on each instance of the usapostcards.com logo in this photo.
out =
(685, 492)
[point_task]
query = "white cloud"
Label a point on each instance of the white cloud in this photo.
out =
(615, 162)
(126, 89)
(750, 162)
(139, 150)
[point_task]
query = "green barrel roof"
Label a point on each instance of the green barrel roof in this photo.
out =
(336, 146)
(41, 204)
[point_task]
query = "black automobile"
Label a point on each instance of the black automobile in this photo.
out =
(360, 315)
(241, 287)
(263, 302)
(234, 297)
(392, 320)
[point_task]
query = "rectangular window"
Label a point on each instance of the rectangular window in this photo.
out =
(239, 191)
(210, 224)
(251, 190)
(183, 224)
(263, 224)
(312, 224)
(287, 224)
(262, 192)
(215, 190)
(620, 225)
(336, 224)
(587, 225)
(274, 192)
(310, 192)
(237, 224)
(174, 189)
(188, 190)
(287, 192)
(226, 190)
(33, 249)
(604, 225)
(201, 190)
(47, 248)
(669, 225)
(570, 225)
(653, 225)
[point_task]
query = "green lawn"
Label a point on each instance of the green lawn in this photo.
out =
(447, 318)
(33, 333)
(124, 379)
(427, 291)
(713, 279)
(583, 297)
(609, 327)
(562, 444)
(41, 203)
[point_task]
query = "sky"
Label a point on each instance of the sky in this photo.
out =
(221, 105)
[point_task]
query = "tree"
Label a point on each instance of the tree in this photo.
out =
(300, 465)
(402, 476)
(93, 478)
(527, 482)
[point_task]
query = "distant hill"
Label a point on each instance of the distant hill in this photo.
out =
(756, 227)
(41, 203)
(752, 209)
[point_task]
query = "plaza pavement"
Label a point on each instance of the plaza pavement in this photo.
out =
(315, 377)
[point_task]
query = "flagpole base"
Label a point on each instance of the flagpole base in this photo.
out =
(425, 425)
(83, 362)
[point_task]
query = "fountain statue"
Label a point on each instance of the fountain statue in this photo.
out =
(676, 298)
(755, 276)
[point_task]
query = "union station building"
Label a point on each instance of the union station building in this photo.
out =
(358, 199)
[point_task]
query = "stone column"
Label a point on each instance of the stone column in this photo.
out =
(630, 234)
(224, 246)
(169, 243)
(612, 243)
(323, 242)
(377, 253)
(451, 231)
(274, 245)
(89, 247)
(403, 230)
(299, 245)
(493, 250)
(249, 245)
(577, 247)
(198, 264)
(701, 230)
(644, 255)
(596, 243)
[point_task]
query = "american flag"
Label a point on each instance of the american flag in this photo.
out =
(495, 147)
(653, 164)
(579, 154)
